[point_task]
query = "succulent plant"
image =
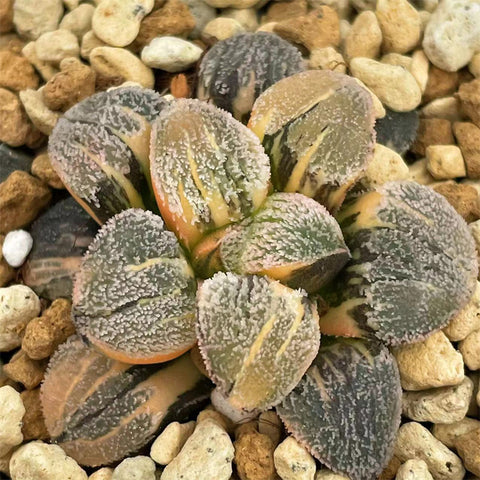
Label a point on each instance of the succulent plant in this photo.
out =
(346, 409)
(235, 71)
(100, 149)
(134, 296)
(397, 130)
(208, 170)
(413, 265)
(318, 129)
(99, 410)
(291, 238)
(257, 337)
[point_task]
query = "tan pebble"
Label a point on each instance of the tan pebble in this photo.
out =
(394, 86)
(24, 370)
(33, 18)
(293, 462)
(468, 138)
(133, 468)
(398, 60)
(390, 470)
(419, 68)
(447, 108)
(364, 39)
(169, 443)
(425, 16)
(445, 162)
(269, 424)
(88, 43)
(220, 29)
(16, 72)
(475, 231)
(449, 432)
(232, 3)
(319, 28)
(342, 7)
(79, 20)
(41, 116)
(11, 42)
(429, 364)
(440, 84)
(102, 474)
(33, 422)
(46, 70)
(7, 273)
(419, 173)
(327, 58)
(378, 108)
(463, 198)
(246, 17)
(414, 470)
(469, 96)
(470, 350)
(414, 441)
(222, 420)
(474, 65)
(54, 46)
(118, 62)
(400, 24)
(267, 27)
(329, 475)
(432, 131)
(468, 447)
(438, 405)
(344, 28)
(6, 16)
(278, 11)
(42, 169)
(14, 124)
(466, 320)
(5, 462)
(254, 457)
(11, 415)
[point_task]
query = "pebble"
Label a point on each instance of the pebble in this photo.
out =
(474, 65)
(42, 169)
(135, 468)
(40, 461)
(467, 320)
(246, 17)
(378, 108)
(269, 424)
(118, 62)
(102, 474)
(447, 108)
(231, 3)
(278, 11)
(201, 13)
(54, 46)
(397, 59)
(16, 72)
(327, 58)
(385, 166)
(440, 84)
(32, 19)
(452, 35)
(364, 39)
(222, 420)
(439, 405)
(468, 447)
(470, 350)
(429, 364)
(449, 432)
(46, 70)
(41, 116)
(432, 131)
(220, 29)
(169, 443)
(16, 247)
(24, 370)
(413, 470)
(419, 69)
(393, 85)
(414, 441)
(419, 173)
(14, 125)
(5, 462)
(400, 24)
(7, 273)
(237, 415)
(88, 43)
(293, 462)
(171, 54)
(117, 22)
(11, 414)
(329, 475)
(462, 197)
(6, 16)
(18, 305)
(468, 138)
(79, 20)
(33, 422)
(445, 162)
(207, 454)
(469, 97)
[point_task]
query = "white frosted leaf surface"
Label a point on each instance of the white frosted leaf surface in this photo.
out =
(257, 337)
(135, 292)
(346, 409)
(208, 170)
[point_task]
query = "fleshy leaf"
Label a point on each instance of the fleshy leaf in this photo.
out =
(257, 337)
(134, 297)
(346, 409)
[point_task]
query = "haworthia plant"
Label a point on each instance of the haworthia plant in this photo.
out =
(134, 296)
(208, 170)
(346, 409)
(257, 337)
(414, 265)
(318, 129)
(291, 238)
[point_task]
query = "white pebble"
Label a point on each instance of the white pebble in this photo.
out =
(54, 46)
(293, 462)
(135, 468)
(246, 17)
(79, 20)
(445, 107)
(40, 115)
(11, 414)
(16, 247)
(221, 28)
(449, 432)
(445, 162)
(413, 470)
(419, 67)
(32, 18)
(171, 54)
(169, 443)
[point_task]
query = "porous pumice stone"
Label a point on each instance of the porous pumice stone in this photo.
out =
(291, 238)
(413, 265)
(134, 296)
(318, 129)
(208, 170)
(100, 149)
(237, 70)
(346, 409)
(257, 337)
(100, 410)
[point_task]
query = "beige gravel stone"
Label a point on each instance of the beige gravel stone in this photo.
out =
(11, 414)
(429, 364)
(246, 17)
(88, 43)
(45, 69)
(474, 65)
(414, 441)
(378, 108)
(449, 432)
(293, 462)
(329, 475)
(222, 420)
(32, 18)
(364, 39)
(14, 125)
(468, 447)
(445, 162)
(169, 443)
(470, 350)
(473, 410)
(419, 173)
(447, 108)
(221, 28)
(327, 58)
(135, 468)
(398, 60)
(54, 46)
(419, 68)
(5, 463)
(413, 470)
(269, 424)
(41, 116)
(102, 474)
(79, 20)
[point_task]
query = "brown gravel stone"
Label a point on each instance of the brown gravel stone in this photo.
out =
(22, 197)
(440, 84)
(469, 96)
(75, 82)
(24, 370)
(33, 422)
(11, 42)
(42, 168)
(432, 131)
(468, 447)
(254, 457)
(104, 82)
(278, 11)
(6, 271)
(468, 138)
(15, 126)
(391, 469)
(320, 28)
(16, 72)
(463, 198)
(6, 16)
(173, 18)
